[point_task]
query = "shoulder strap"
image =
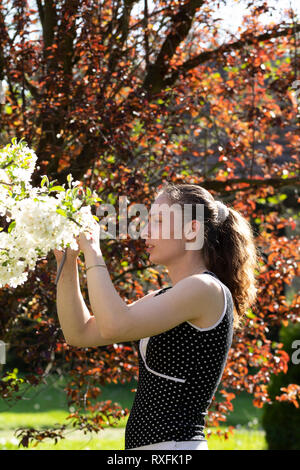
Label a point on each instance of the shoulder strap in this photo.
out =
(162, 290)
(210, 272)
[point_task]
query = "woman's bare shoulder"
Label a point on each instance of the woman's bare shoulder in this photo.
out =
(215, 302)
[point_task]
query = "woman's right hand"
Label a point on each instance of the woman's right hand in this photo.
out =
(58, 255)
(71, 254)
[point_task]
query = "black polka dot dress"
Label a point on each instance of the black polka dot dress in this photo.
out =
(179, 372)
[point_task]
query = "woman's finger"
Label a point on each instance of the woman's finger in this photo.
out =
(58, 254)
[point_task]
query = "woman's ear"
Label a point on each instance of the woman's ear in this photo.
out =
(192, 228)
(195, 234)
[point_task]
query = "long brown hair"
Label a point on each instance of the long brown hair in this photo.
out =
(229, 248)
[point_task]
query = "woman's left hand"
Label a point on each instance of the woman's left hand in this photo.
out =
(90, 240)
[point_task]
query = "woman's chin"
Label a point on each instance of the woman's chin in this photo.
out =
(155, 259)
(151, 255)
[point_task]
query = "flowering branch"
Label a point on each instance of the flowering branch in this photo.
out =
(40, 221)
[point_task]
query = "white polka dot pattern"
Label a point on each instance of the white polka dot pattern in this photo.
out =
(179, 372)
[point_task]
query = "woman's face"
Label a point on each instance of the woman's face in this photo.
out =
(163, 231)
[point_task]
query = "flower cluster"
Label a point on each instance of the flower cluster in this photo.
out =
(40, 218)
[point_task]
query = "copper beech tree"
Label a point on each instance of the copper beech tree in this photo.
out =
(125, 95)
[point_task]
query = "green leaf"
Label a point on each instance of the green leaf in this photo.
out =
(273, 200)
(8, 109)
(250, 314)
(75, 191)
(69, 179)
(56, 188)
(11, 226)
(44, 181)
(62, 212)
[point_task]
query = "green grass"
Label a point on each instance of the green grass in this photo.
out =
(46, 406)
(113, 439)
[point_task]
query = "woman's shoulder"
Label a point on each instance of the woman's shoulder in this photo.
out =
(215, 302)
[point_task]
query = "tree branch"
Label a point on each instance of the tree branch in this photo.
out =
(33, 89)
(241, 43)
(253, 183)
(180, 25)
(49, 22)
(116, 52)
(41, 11)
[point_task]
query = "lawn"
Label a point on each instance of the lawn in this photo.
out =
(46, 406)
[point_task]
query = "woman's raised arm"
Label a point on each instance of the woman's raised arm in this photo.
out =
(79, 327)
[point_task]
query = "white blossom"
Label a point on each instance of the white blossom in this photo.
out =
(36, 226)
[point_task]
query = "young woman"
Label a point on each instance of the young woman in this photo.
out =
(183, 331)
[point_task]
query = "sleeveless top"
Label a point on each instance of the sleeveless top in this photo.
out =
(179, 372)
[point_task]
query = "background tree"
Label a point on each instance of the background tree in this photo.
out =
(275, 416)
(125, 99)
